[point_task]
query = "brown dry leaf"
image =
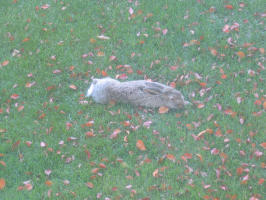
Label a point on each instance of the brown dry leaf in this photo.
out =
(170, 157)
(140, 145)
(49, 183)
(163, 110)
(5, 63)
(264, 105)
(241, 54)
(20, 108)
(223, 76)
(104, 73)
(26, 40)
(3, 163)
(73, 87)
(2, 183)
(111, 58)
(213, 51)
(229, 7)
(92, 40)
(115, 133)
(262, 51)
(155, 172)
(90, 185)
(14, 96)
(29, 85)
(100, 53)
(201, 105)
(263, 145)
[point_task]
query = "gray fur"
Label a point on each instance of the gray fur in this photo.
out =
(139, 93)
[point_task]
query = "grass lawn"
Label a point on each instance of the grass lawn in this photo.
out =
(57, 144)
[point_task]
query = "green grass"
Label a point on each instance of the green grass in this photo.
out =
(69, 33)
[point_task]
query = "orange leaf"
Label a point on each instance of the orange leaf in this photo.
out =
(261, 181)
(188, 155)
(241, 54)
(90, 185)
(263, 145)
(200, 157)
(170, 157)
(140, 145)
(229, 7)
(213, 51)
(26, 40)
(2, 183)
(155, 173)
(201, 105)
(239, 170)
(73, 87)
(20, 108)
(42, 116)
(264, 105)
(100, 53)
(223, 76)
(49, 183)
(14, 96)
(104, 73)
(3, 163)
(115, 133)
(5, 63)
(163, 110)
(92, 40)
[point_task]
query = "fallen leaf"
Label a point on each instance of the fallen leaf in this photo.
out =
(140, 145)
(264, 105)
(100, 53)
(26, 40)
(5, 63)
(201, 105)
(90, 185)
(111, 58)
(213, 51)
(29, 85)
(14, 96)
(226, 28)
(115, 133)
(20, 108)
(229, 7)
(241, 54)
(155, 172)
(45, 6)
(49, 183)
(73, 87)
(102, 37)
(163, 110)
(170, 157)
(263, 145)
(3, 163)
(2, 183)
(261, 181)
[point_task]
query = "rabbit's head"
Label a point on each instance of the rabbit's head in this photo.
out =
(173, 99)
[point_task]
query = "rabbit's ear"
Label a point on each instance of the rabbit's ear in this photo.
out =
(153, 88)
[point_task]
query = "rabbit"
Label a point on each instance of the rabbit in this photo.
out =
(138, 93)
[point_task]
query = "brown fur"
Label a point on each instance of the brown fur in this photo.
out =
(139, 93)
